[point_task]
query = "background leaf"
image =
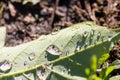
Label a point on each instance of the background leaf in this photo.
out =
(27, 1)
(75, 46)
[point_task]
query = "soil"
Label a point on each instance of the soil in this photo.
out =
(27, 22)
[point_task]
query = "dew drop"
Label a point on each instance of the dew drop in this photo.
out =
(92, 32)
(53, 49)
(67, 52)
(86, 44)
(99, 34)
(85, 34)
(5, 66)
(29, 74)
(48, 64)
(63, 72)
(31, 56)
(69, 70)
(109, 38)
(25, 63)
(79, 45)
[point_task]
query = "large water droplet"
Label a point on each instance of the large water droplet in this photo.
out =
(5, 66)
(31, 56)
(53, 49)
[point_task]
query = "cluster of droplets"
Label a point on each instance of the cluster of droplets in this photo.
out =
(31, 57)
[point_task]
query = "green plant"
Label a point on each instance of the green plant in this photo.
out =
(92, 71)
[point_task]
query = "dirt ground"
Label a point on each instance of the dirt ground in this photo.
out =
(27, 22)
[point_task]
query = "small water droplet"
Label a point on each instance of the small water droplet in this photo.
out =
(79, 45)
(67, 52)
(69, 70)
(31, 56)
(29, 74)
(5, 66)
(85, 34)
(98, 37)
(53, 49)
(25, 63)
(92, 32)
(86, 44)
(21, 79)
(109, 38)
(99, 34)
(63, 72)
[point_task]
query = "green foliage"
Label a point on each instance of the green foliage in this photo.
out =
(62, 55)
(92, 71)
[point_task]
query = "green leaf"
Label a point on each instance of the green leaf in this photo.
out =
(61, 55)
(109, 70)
(93, 64)
(103, 58)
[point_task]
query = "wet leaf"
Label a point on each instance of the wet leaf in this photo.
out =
(37, 58)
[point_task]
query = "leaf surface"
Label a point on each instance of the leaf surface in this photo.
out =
(61, 55)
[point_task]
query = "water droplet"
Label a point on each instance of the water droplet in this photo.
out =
(67, 52)
(53, 49)
(5, 66)
(99, 34)
(29, 74)
(109, 38)
(31, 56)
(69, 70)
(25, 63)
(63, 72)
(103, 38)
(86, 44)
(85, 34)
(92, 32)
(79, 45)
